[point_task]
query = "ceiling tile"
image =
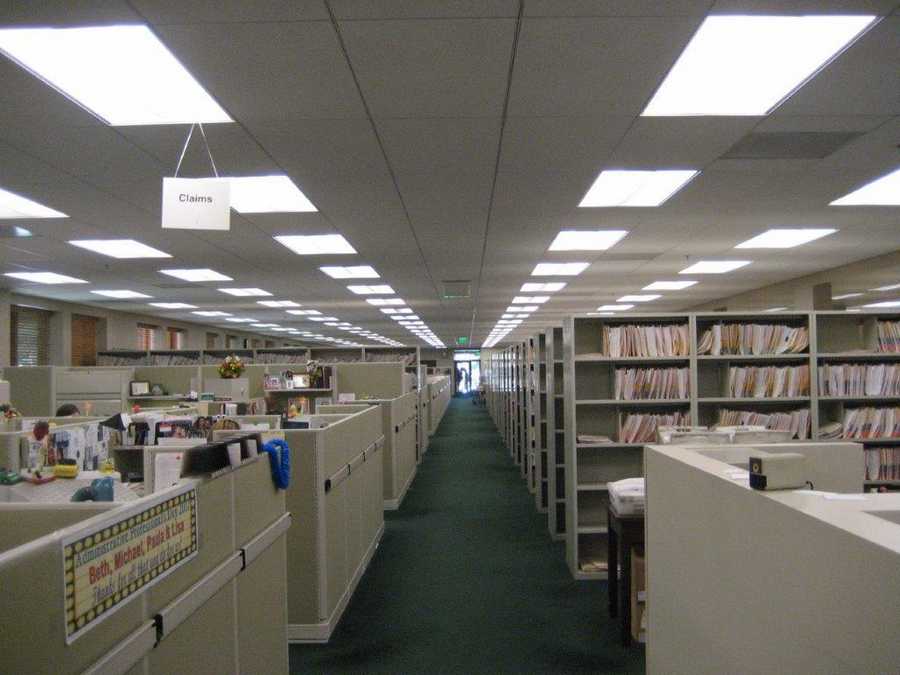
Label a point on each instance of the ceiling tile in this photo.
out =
(423, 9)
(675, 142)
(651, 8)
(230, 11)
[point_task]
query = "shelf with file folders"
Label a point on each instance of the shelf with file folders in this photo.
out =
(848, 381)
(627, 423)
(607, 382)
(864, 422)
(784, 414)
(752, 335)
(867, 335)
(724, 380)
(646, 337)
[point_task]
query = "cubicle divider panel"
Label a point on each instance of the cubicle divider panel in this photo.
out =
(173, 379)
(31, 389)
(371, 380)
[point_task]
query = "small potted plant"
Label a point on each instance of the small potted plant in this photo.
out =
(232, 367)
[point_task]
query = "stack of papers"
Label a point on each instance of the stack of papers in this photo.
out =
(652, 383)
(888, 336)
(628, 496)
(830, 431)
(645, 340)
(854, 379)
(753, 339)
(795, 421)
(641, 428)
(590, 439)
(768, 381)
(872, 422)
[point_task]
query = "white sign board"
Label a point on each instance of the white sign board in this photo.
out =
(196, 204)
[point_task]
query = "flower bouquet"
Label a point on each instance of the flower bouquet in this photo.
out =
(231, 367)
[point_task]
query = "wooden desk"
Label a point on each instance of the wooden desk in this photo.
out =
(624, 532)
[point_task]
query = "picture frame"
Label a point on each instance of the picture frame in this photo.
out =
(139, 388)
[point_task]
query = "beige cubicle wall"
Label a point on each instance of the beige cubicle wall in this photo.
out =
(37, 391)
(221, 611)
(400, 460)
(440, 391)
(745, 581)
(336, 500)
(372, 380)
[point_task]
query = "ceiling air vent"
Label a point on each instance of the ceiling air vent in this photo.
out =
(454, 290)
(789, 144)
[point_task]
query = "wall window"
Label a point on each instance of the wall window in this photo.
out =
(212, 340)
(29, 336)
(146, 335)
(175, 338)
(84, 340)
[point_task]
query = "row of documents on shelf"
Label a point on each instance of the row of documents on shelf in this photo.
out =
(768, 381)
(865, 422)
(883, 463)
(652, 383)
(753, 339)
(641, 427)
(851, 379)
(795, 421)
(645, 340)
(888, 334)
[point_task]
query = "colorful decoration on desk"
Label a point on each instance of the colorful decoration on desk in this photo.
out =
(9, 412)
(231, 367)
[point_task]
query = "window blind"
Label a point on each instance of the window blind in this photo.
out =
(29, 336)
(145, 336)
(84, 340)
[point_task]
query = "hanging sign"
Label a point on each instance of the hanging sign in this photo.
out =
(106, 564)
(196, 204)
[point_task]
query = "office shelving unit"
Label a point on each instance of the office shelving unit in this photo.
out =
(539, 422)
(532, 414)
(555, 447)
(590, 406)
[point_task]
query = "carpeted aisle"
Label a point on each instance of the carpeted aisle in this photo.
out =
(468, 580)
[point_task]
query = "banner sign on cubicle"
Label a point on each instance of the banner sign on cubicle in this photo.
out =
(104, 565)
(196, 204)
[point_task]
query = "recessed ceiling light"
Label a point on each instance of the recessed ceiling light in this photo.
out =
(559, 269)
(236, 319)
(775, 309)
(714, 266)
(405, 317)
(845, 296)
(668, 285)
(267, 194)
(205, 312)
(16, 206)
(280, 330)
(122, 74)
(45, 278)
(884, 191)
(614, 308)
(786, 237)
(331, 323)
(508, 316)
(121, 295)
(197, 275)
(386, 302)
(887, 303)
(304, 312)
(636, 188)
(639, 298)
(172, 305)
(278, 303)
(264, 325)
(317, 244)
(530, 299)
(380, 289)
(119, 248)
(522, 308)
(746, 65)
(600, 313)
(245, 292)
(551, 287)
(357, 272)
(587, 240)
(400, 310)
(886, 288)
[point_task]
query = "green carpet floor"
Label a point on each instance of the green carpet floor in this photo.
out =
(467, 580)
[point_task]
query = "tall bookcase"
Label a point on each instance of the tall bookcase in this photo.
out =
(592, 409)
(556, 433)
(536, 395)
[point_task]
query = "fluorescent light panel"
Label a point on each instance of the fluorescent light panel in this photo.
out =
(884, 191)
(636, 188)
(522, 308)
(639, 298)
(122, 74)
(845, 296)
(172, 305)
(211, 313)
(786, 237)
(746, 65)
(122, 294)
(304, 312)
(530, 299)
(316, 244)
(551, 287)
(614, 308)
(123, 249)
(267, 194)
(714, 266)
(386, 302)
(44, 278)
(245, 292)
(380, 289)
(775, 309)
(887, 303)
(196, 275)
(278, 303)
(559, 269)
(891, 287)
(17, 206)
(357, 272)
(668, 285)
(237, 319)
(586, 240)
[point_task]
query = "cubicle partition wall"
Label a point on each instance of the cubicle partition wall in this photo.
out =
(398, 423)
(440, 391)
(373, 380)
(210, 599)
(336, 500)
